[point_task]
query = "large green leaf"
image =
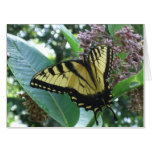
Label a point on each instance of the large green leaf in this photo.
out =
(128, 84)
(24, 62)
(74, 43)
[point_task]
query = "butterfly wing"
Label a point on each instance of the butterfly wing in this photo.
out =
(84, 81)
(65, 77)
(100, 60)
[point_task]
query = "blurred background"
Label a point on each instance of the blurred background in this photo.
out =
(49, 40)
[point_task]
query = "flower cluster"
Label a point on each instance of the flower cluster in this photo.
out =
(36, 113)
(136, 96)
(97, 36)
(130, 43)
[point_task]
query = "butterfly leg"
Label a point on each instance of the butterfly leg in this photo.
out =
(115, 117)
(95, 116)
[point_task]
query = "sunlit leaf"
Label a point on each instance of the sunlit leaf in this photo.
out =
(128, 84)
(74, 43)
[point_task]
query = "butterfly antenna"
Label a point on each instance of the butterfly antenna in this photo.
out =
(115, 117)
(95, 116)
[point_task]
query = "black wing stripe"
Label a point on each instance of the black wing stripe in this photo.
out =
(99, 51)
(60, 68)
(108, 63)
(87, 65)
(92, 57)
(51, 70)
(95, 53)
(71, 68)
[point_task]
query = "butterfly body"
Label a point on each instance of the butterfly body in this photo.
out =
(86, 81)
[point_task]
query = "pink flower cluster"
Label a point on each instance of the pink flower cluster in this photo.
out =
(130, 43)
(97, 36)
(136, 96)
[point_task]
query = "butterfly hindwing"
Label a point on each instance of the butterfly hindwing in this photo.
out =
(100, 61)
(101, 58)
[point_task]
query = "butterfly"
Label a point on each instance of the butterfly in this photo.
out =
(85, 81)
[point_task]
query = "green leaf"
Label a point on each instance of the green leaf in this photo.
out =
(85, 120)
(15, 101)
(115, 27)
(122, 55)
(74, 43)
(128, 84)
(24, 62)
(9, 106)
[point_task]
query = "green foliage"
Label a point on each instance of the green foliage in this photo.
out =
(126, 118)
(24, 63)
(87, 119)
(74, 43)
(128, 84)
(138, 28)
(115, 27)
(44, 34)
(12, 88)
(26, 60)
(122, 55)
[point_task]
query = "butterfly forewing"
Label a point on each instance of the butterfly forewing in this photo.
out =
(63, 77)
